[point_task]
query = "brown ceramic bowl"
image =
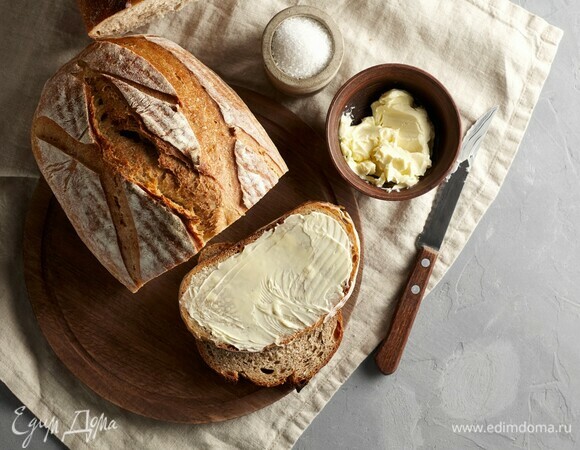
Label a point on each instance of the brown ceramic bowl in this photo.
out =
(367, 86)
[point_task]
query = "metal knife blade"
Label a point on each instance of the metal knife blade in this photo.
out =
(448, 195)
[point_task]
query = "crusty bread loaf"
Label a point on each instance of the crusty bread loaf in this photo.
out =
(111, 18)
(149, 153)
(200, 272)
(293, 364)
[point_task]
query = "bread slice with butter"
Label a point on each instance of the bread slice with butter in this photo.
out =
(294, 363)
(268, 307)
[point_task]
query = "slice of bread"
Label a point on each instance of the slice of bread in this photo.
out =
(196, 277)
(300, 356)
(294, 363)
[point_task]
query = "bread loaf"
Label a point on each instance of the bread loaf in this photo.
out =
(289, 277)
(149, 153)
(113, 18)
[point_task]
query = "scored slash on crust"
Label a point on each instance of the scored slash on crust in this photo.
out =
(111, 182)
(181, 137)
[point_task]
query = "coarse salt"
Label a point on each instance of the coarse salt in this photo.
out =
(301, 47)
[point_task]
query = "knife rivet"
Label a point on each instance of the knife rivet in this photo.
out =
(425, 262)
(415, 289)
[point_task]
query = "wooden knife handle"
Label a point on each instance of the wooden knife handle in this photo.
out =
(391, 349)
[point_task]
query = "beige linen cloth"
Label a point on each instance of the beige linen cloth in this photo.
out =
(485, 52)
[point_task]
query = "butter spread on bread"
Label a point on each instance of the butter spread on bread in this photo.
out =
(277, 285)
(293, 364)
(149, 153)
(285, 279)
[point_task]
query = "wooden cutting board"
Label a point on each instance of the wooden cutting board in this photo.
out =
(133, 349)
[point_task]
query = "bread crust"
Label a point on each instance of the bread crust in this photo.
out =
(145, 179)
(94, 12)
(338, 212)
(111, 18)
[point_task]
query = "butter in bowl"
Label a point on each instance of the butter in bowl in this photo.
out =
(393, 132)
(392, 147)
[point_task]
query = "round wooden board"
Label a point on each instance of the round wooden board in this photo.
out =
(133, 349)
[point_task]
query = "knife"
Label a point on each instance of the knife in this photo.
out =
(429, 243)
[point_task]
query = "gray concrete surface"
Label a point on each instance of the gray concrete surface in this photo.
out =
(497, 342)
